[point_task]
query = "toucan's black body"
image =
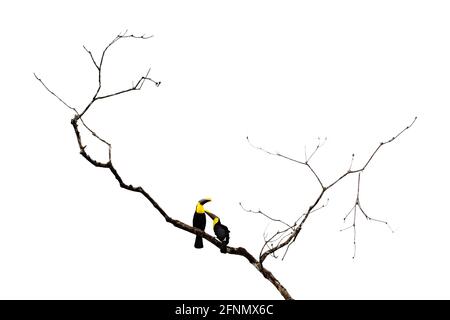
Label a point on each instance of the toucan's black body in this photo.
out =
(199, 221)
(223, 234)
(221, 231)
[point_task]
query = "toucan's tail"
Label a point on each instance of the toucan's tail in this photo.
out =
(198, 242)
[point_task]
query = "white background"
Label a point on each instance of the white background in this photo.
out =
(282, 73)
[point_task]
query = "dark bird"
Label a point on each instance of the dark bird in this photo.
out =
(199, 221)
(221, 231)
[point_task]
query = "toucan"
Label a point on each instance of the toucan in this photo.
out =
(199, 221)
(221, 231)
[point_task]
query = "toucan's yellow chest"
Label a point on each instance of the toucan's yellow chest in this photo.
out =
(199, 209)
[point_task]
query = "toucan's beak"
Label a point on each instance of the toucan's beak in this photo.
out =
(203, 201)
(211, 215)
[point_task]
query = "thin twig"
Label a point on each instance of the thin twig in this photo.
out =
(265, 215)
(371, 156)
(319, 145)
(54, 94)
(306, 163)
(351, 162)
(92, 58)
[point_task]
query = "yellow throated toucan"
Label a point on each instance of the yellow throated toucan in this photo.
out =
(199, 221)
(221, 231)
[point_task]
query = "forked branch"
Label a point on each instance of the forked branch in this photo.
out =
(295, 228)
(77, 118)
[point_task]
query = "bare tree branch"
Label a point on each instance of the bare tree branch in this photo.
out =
(81, 120)
(109, 165)
(99, 67)
(371, 156)
(92, 58)
(265, 215)
(61, 100)
(305, 163)
(279, 236)
(280, 239)
(319, 145)
(357, 205)
(293, 236)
